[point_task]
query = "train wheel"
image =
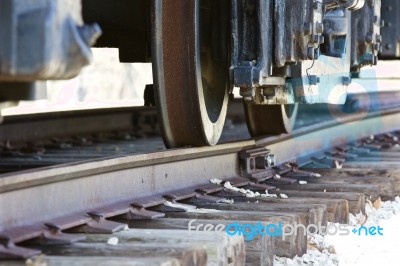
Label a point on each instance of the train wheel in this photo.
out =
(270, 119)
(191, 69)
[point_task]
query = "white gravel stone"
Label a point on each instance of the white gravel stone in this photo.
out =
(235, 189)
(269, 195)
(227, 185)
(112, 241)
(353, 249)
(184, 207)
(376, 250)
(216, 181)
(227, 201)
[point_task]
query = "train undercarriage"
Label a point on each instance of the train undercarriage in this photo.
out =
(280, 53)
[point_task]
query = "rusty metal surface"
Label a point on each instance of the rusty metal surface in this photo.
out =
(190, 113)
(390, 30)
(73, 136)
(51, 204)
(265, 120)
(280, 55)
(347, 191)
(46, 194)
(66, 123)
(366, 38)
(298, 29)
(77, 136)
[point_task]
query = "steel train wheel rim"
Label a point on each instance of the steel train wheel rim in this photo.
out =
(191, 85)
(263, 120)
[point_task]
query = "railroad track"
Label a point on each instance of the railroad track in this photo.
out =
(147, 201)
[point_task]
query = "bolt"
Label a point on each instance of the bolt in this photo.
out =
(270, 160)
(307, 28)
(321, 39)
(96, 215)
(346, 81)
(53, 228)
(368, 37)
(378, 47)
(368, 59)
(269, 93)
(310, 53)
(248, 99)
(319, 27)
(314, 80)
(388, 46)
(316, 53)
(247, 92)
(316, 38)
(375, 60)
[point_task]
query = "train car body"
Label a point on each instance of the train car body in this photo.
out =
(280, 53)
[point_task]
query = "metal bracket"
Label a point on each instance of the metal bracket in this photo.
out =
(259, 187)
(327, 162)
(256, 164)
(143, 214)
(386, 141)
(173, 207)
(238, 181)
(209, 188)
(229, 194)
(297, 173)
(181, 194)
(99, 225)
(343, 153)
(206, 198)
(8, 250)
(278, 180)
(54, 236)
(358, 150)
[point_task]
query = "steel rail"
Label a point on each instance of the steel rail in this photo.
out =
(33, 196)
(66, 123)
